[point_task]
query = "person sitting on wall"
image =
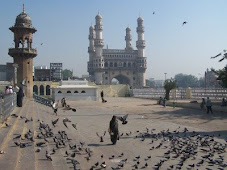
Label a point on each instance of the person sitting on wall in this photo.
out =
(160, 100)
(7, 90)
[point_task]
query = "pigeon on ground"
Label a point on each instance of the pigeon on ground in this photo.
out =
(54, 122)
(74, 125)
(17, 137)
(101, 137)
(66, 120)
(48, 156)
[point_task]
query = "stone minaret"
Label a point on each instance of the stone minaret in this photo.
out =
(128, 39)
(98, 60)
(141, 61)
(23, 53)
(91, 37)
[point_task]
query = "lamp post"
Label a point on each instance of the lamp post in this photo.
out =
(165, 76)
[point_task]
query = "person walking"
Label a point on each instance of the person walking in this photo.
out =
(113, 130)
(63, 102)
(203, 103)
(209, 105)
(102, 97)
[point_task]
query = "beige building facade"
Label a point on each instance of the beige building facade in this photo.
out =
(127, 65)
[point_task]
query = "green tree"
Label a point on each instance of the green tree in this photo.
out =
(222, 76)
(168, 86)
(67, 74)
(184, 80)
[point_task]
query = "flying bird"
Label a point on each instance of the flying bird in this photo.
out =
(123, 119)
(185, 22)
(153, 12)
(101, 137)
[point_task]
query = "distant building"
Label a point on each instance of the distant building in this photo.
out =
(211, 79)
(127, 65)
(55, 71)
(157, 83)
(6, 72)
(42, 75)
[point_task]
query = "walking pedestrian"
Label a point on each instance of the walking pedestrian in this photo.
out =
(102, 97)
(202, 103)
(209, 105)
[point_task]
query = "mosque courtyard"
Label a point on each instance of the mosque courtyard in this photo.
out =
(154, 137)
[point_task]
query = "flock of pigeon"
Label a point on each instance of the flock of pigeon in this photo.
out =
(181, 149)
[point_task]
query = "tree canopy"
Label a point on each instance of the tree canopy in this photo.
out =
(168, 86)
(67, 74)
(184, 80)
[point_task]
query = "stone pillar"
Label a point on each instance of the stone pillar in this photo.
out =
(188, 93)
(15, 66)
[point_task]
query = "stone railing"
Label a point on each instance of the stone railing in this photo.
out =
(7, 105)
(181, 93)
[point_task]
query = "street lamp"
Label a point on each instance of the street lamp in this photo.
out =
(165, 76)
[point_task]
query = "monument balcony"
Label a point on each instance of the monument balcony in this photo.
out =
(140, 29)
(29, 51)
(99, 42)
(91, 49)
(140, 43)
(98, 27)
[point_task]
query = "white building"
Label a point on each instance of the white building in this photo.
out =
(75, 90)
(127, 65)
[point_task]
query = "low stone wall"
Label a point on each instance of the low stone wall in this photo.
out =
(120, 90)
(186, 104)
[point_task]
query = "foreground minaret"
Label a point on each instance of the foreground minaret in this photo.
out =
(141, 61)
(98, 60)
(23, 53)
(128, 39)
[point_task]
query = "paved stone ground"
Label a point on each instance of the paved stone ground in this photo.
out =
(92, 117)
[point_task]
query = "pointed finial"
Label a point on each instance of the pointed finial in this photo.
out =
(23, 8)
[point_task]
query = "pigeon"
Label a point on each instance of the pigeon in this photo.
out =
(101, 137)
(40, 143)
(38, 150)
(123, 119)
(66, 120)
(68, 107)
(153, 12)
(185, 22)
(74, 125)
(216, 55)
(23, 83)
(54, 122)
(2, 152)
(17, 137)
(103, 165)
(7, 125)
(14, 115)
(48, 156)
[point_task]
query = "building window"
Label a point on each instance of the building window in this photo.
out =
(68, 92)
(59, 92)
(41, 89)
(129, 64)
(111, 64)
(83, 91)
(115, 64)
(106, 72)
(76, 91)
(124, 64)
(106, 78)
(47, 90)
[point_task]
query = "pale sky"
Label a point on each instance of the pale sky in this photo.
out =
(63, 27)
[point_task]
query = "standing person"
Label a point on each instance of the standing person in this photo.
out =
(113, 130)
(20, 96)
(209, 105)
(164, 102)
(102, 96)
(203, 103)
(63, 102)
(223, 103)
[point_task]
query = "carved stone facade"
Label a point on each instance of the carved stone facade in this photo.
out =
(23, 53)
(127, 65)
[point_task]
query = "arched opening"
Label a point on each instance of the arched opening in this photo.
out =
(124, 65)
(47, 90)
(106, 64)
(68, 92)
(120, 79)
(76, 91)
(83, 91)
(35, 89)
(114, 81)
(41, 89)
(59, 92)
